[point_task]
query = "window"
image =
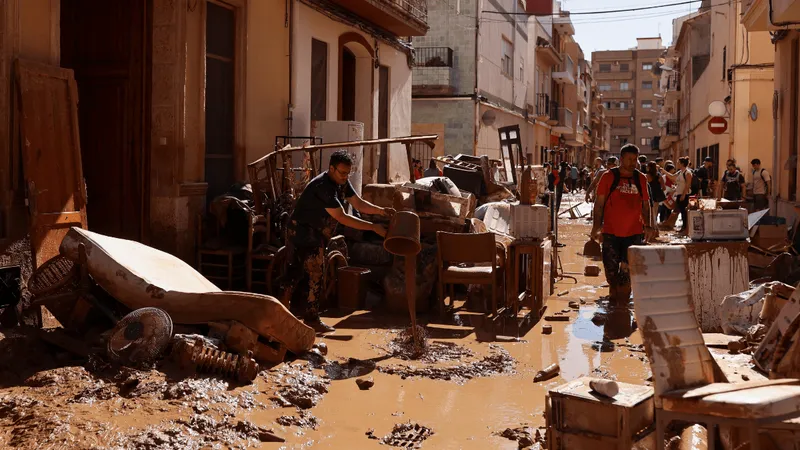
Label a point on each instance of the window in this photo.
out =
(506, 63)
(646, 123)
(647, 85)
(623, 105)
(647, 66)
(724, 62)
(605, 68)
(646, 141)
(623, 141)
(624, 68)
(647, 104)
(319, 80)
(604, 87)
(608, 105)
(623, 86)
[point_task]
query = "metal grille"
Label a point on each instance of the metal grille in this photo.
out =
(421, 152)
(434, 57)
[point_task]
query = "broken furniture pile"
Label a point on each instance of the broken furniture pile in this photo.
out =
(96, 280)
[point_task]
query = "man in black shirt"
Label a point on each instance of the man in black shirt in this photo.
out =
(704, 174)
(320, 208)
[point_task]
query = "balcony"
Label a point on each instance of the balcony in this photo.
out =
(614, 95)
(565, 72)
(563, 23)
(672, 89)
(399, 17)
(621, 131)
(542, 106)
(565, 123)
(433, 71)
(619, 113)
(786, 11)
(670, 132)
(575, 139)
(613, 75)
(582, 94)
(553, 110)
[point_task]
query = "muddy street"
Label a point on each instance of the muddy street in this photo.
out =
(362, 389)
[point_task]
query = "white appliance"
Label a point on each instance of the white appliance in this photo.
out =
(718, 224)
(331, 132)
(518, 221)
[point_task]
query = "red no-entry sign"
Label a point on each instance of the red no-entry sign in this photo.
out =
(717, 125)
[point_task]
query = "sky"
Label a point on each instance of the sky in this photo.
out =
(618, 31)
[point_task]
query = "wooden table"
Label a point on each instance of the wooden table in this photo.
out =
(529, 263)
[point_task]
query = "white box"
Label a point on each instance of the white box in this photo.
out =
(529, 221)
(718, 224)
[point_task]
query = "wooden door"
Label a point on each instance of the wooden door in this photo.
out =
(105, 43)
(51, 155)
(383, 122)
(220, 98)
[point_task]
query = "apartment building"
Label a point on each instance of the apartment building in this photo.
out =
(177, 96)
(781, 18)
(628, 91)
(483, 66)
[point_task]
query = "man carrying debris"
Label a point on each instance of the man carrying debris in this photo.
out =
(761, 186)
(621, 219)
(320, 208)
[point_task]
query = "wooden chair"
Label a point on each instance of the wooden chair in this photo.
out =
(223, 264)
(259, 255)
(682, 366)
(479, 253)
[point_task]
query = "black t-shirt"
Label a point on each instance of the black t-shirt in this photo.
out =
(704, 176)
(733, 185)
(321, 193)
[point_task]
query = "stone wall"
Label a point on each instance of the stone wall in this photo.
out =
(458, 117)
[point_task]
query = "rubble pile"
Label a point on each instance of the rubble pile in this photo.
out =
(498, 362)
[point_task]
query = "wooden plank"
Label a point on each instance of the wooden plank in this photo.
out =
(51, 155)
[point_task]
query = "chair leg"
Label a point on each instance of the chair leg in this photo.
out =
(440, 295)
(230, 271)
(660, 429)
(755, 442)
(494, 299)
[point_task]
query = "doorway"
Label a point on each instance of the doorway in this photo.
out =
(107, 45)
(348, 85)
(220, 98)
(383, 122)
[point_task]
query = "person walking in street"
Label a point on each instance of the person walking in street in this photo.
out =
(319, 210)
(610, 164)
(762, 184)
(655, 181)
(705, 174)
(733, 183)
(563, 175)
(643, 163)
(573, 176)
(666, 207)
(683, 182)
(622, 219)
(432, 170)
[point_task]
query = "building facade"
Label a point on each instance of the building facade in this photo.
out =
(781, 19)
(176, 97)
(486, 66)
(628, 91)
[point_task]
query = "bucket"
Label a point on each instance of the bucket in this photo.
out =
(403, 236)
(352, 287)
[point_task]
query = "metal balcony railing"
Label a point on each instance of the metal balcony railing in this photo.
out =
(554, 111)
(673, 127)
(542, 105)
(434, 57)
(674, 82)
(416, 8)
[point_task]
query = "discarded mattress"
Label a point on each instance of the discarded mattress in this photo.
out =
(140, 276)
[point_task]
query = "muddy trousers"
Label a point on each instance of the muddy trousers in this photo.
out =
(760, 202)
(615, 258)
(305, 278)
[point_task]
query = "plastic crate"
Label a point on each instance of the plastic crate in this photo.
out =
(529, 221)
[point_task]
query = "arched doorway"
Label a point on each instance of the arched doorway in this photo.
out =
(356, 80)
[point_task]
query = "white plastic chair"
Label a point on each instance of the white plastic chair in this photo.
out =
(682, 366)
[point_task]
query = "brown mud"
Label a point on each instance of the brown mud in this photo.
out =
(461, 391)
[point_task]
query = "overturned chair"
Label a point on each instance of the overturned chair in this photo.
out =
(682, 366)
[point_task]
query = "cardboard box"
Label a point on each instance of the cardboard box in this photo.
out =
(768, 235)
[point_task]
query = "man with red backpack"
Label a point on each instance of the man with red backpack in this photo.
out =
(621, 219)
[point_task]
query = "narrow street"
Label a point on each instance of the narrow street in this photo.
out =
(466, 391)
